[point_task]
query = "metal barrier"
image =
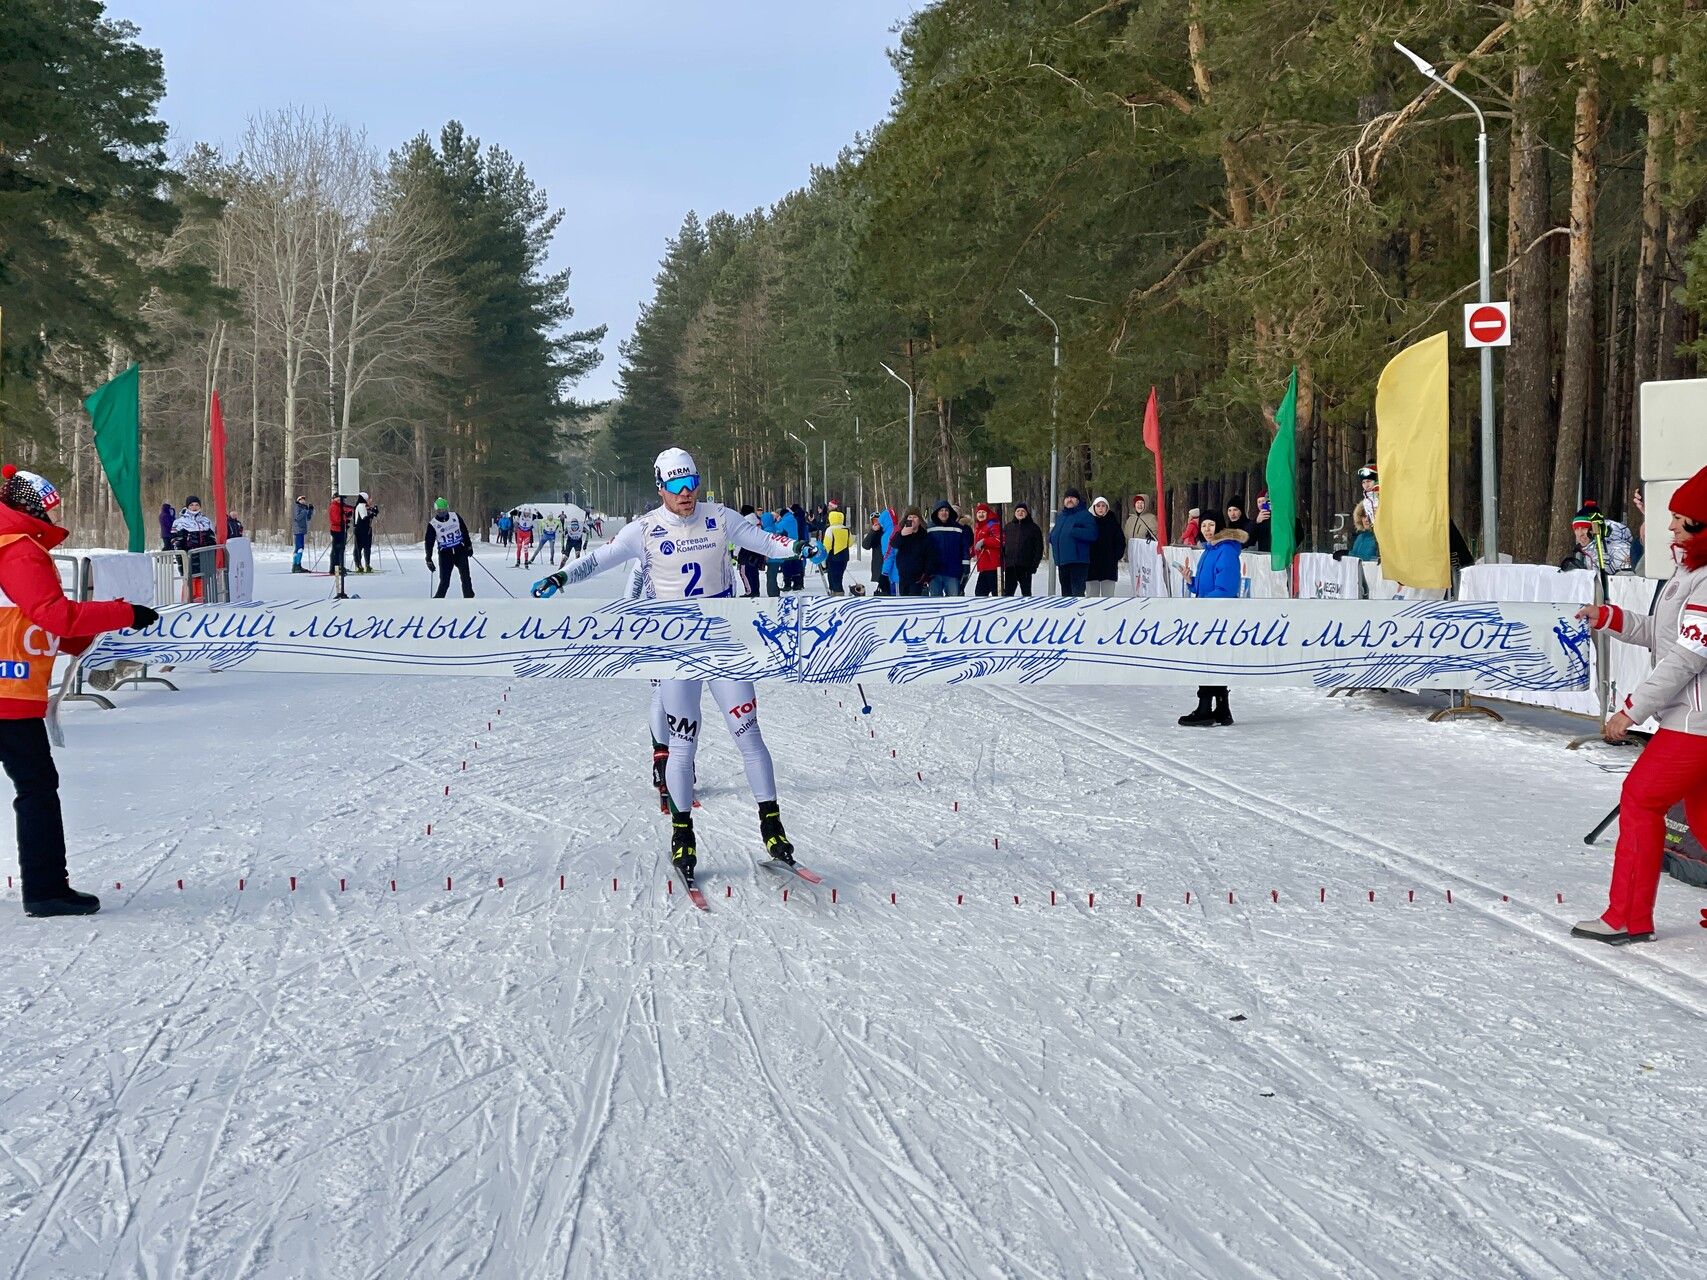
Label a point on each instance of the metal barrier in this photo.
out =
(81, 589)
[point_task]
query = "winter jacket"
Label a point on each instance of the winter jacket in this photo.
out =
(1140, 526)
(447, 534)
(168, 514)
(1364, 547)
(951, 542)
(1218, 575)
(913, 559)
(771, 524)
(886, 524)
(338, 515)
(1189, 537)
(1675, 691)
(1108, 550)
(1071, 539)
(233, 527)
(1022, 545)
(1262, 534)
(300, 517)
(192, 529)
(40, 621)
(986, 540)
(836, 537)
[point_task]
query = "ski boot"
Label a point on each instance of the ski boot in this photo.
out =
(776, 839)
(682, 852)
(660, 759)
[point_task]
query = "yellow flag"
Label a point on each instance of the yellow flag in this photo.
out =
(1413, 519)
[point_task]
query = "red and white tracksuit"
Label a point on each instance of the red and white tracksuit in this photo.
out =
(1672, 768)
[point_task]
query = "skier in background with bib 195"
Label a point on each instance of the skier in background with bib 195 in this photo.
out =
(683, 547)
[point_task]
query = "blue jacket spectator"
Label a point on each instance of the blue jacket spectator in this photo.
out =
(1218, 575)
(951, 543)
(1070, 542)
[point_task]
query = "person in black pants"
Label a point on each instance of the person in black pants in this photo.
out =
(36, 623)
(448, 535)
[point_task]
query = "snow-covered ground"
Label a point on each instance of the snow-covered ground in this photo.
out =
(597, 1080)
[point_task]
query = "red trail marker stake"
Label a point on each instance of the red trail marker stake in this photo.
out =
(959, 898)
(429, 828)
(1410, 895)
(613, 884)
(1016, 899)
(1090, 900)
(560, 884)
(340, 884)
(447, 884)
(239, 884)
(1321, 895)
(1229, 897)
(1188, 897)
(293, 884)
(394, 886)
(447, 788)
(832, 895)
(1052, 897)
(728, 891)
(1138, 901)
(1449, 897)
(785, 895)
(1372, 895)
(500, 882)
(180, 885)
(891, 899)
(1274, 895)
(669, 888)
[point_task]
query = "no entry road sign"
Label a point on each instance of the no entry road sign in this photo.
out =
(1487, 324)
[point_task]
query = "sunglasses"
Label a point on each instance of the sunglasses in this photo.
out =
(681, 485)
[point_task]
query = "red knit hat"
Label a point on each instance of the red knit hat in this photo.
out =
(1690, 500)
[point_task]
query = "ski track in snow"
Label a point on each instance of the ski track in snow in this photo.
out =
(526, 1081)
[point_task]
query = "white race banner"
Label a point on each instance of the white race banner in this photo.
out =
(240, 569)
(1427, 644)
(1321, 577)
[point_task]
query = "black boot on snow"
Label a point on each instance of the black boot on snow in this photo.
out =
(63, 901)
(1223, 713)
(682, 853)
(1203, 717)
(776, 839)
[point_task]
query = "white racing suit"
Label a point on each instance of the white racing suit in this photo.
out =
(685, 558)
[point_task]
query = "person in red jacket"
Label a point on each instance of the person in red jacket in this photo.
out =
(39, 624)
(987, 550)
(1672, 768)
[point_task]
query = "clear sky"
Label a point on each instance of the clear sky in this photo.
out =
(629, 114)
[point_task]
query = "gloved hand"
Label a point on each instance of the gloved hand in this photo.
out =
(550, 586)
(142, 616)
(429, 564)
(1340, 554)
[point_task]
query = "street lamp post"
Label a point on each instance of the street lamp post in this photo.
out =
(909, 386)
(1490, 486)
(1054, 420)
(823, 463)
(805, 466)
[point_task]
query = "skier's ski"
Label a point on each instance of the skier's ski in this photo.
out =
(696, 895)
(793, 868)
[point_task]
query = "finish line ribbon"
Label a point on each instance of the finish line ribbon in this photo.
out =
(1417, 644)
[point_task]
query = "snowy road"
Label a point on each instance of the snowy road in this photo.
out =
(598, 1081)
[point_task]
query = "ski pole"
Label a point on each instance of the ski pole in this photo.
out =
(1604, 823)
(493, 576)
(864, 710)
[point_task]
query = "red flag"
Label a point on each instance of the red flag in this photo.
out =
(216, 438)
(1153, 442)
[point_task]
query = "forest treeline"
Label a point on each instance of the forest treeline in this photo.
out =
(1202, 194)
(392, 307)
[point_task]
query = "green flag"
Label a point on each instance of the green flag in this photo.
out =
(1282, 476)
(117, 411)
